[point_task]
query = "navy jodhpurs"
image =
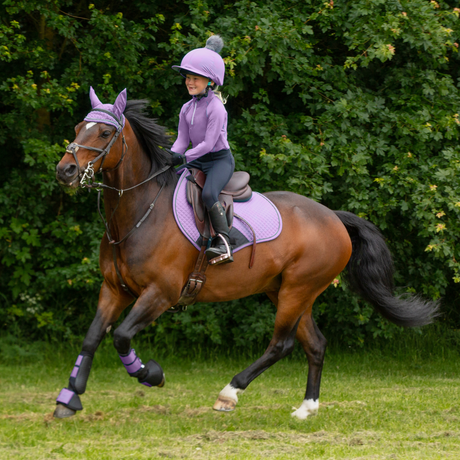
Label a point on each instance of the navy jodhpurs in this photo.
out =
(218, 167)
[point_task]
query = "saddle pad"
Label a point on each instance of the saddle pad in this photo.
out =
(259, 212)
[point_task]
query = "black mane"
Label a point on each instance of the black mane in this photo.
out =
(151, 137)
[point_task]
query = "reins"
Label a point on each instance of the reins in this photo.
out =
(87, 181)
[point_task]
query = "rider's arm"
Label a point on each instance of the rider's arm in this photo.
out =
(183, 139)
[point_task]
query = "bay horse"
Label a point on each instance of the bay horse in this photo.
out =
(154, 259)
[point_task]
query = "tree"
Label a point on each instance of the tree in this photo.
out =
(355, 105)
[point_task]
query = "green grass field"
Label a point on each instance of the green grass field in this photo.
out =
(373, 406)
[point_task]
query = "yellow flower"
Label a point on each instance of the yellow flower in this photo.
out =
(440, 214)
(433, 188)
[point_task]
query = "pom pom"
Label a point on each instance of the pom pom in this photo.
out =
(215, 43)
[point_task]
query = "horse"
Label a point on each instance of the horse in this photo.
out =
(152, 261)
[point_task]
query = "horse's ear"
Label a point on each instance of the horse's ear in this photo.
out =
(95, 102)
(120, 103)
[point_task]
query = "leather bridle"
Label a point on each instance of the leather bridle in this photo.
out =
(87, 176)
(87, 181)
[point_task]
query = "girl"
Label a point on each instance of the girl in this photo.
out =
(203, 122)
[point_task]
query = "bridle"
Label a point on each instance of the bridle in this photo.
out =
(87, 181)
(87, 176)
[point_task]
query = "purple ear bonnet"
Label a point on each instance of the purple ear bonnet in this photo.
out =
(205, 61)
(102, 117)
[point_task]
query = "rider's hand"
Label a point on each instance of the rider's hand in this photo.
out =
(178, 159)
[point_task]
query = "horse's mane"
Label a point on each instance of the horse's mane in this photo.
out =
(151, 136)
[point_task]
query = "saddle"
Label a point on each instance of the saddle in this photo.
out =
(236, 190)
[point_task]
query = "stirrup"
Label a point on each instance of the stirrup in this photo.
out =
(223, 258)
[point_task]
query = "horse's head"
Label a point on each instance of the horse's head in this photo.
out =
(96, 136)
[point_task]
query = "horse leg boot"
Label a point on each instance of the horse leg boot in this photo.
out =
(314, 345)
(149, 374)
(68, 401)
(221, 251)
(142, 314)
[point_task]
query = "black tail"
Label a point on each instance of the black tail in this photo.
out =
(369, 273)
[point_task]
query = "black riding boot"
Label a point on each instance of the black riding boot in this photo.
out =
(220, 251)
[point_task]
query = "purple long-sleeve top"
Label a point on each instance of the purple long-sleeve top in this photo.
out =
(204, 123)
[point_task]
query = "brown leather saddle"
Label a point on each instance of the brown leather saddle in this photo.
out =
(236, 190)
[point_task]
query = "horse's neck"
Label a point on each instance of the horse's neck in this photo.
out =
(123, 211)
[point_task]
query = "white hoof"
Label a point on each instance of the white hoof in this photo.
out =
(227, 399)
(308, 407)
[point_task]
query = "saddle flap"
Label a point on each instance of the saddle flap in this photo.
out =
(199, 211)
(197, 176)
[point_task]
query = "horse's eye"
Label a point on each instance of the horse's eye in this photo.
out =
(105, 134)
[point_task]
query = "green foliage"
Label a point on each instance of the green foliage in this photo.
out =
(355, 105)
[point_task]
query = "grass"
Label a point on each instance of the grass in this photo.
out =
(373, 406)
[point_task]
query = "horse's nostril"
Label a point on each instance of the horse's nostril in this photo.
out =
(69, 170)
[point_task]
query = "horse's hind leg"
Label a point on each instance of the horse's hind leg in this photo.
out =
(314, 344)
(109, 308)
(292, 303)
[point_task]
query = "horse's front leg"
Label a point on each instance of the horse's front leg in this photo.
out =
(150, 305)
(111, 304)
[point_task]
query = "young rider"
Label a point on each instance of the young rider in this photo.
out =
(203, 122)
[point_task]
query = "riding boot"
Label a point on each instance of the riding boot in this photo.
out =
(220, 251)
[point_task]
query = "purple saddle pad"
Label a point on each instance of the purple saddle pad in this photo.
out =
(259, 212)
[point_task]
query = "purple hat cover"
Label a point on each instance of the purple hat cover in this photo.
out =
(117, 109)
(205, 62)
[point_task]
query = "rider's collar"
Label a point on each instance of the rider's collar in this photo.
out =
(198, 97)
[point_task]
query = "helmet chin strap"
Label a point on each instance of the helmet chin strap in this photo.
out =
(206, 91)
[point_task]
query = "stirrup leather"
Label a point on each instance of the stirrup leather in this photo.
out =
(222, 257)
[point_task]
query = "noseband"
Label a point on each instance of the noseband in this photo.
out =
(87, 176)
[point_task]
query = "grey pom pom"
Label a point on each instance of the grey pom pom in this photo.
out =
(215, 43)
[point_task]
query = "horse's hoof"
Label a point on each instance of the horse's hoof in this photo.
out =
(224, 404)
(308, 408)
(62, 411)
(162, 384)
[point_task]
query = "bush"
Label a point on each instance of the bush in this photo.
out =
(354, 105)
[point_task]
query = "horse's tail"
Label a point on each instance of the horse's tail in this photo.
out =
(369, 273)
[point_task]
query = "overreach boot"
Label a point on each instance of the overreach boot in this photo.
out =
(220, 251)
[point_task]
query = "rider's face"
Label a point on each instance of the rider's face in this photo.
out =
(195, 84)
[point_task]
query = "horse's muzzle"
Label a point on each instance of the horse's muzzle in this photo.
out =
(67, 175)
